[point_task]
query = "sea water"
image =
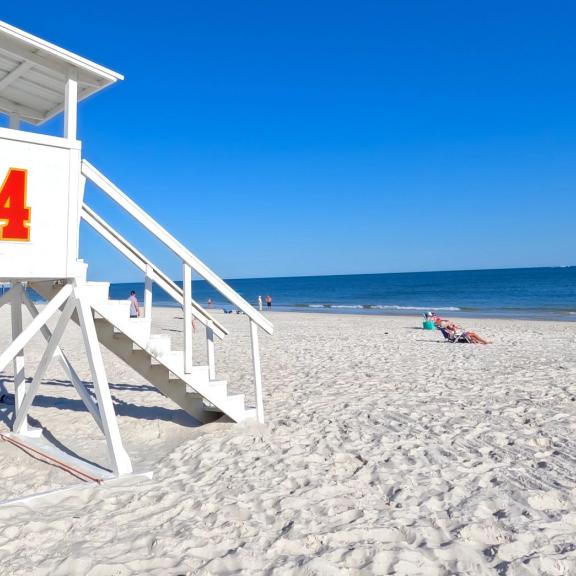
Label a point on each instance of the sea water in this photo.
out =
(538, 293)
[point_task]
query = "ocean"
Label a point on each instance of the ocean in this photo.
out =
(525, 293)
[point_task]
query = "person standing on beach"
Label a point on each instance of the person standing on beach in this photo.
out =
(260, 303)
(269, 302)
(134, 306)
(209, 302)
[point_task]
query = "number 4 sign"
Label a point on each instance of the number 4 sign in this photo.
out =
(14, 214)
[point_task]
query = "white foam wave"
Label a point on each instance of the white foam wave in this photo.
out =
(420, 308)
(383, 307)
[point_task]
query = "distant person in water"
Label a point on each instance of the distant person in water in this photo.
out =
(269, 302)
(260, 303)
(134, 306)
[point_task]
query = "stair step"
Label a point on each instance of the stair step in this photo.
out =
(158, 373)
(132, 322)
(176, 358)
(233, 403)
(219, 387)
(117, 308)
(159, 344)
(199, 373)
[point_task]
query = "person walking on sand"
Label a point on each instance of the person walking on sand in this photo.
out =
(209, 302)
(260, 303)
(269, 302)
(134, 306)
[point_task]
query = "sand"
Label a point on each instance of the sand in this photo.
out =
(386, 451)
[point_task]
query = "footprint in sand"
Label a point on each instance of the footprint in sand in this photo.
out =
(485, 533)
(549, 500)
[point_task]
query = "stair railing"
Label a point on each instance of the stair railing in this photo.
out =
(152, 273)
(190, 264)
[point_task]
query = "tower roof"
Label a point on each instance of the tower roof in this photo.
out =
(33, 75)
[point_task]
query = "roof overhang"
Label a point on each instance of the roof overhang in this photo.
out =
(33, 75)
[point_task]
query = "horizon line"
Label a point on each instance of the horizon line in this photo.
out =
(376, 273)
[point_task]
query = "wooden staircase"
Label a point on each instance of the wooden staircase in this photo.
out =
(151, 355)
(194, 388)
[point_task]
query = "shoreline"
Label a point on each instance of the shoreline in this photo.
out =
(386, 314)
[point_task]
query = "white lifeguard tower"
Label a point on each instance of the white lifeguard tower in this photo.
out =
(41, 204)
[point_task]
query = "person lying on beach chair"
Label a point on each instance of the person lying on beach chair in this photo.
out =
(452, 333)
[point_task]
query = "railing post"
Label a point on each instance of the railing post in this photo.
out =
(148, 292)
(210, 350)
(257, 371)
(187, 309)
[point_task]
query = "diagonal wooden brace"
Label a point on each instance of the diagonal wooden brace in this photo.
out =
(22, 411)
(83, 392)
(26, 335)
(119, 457)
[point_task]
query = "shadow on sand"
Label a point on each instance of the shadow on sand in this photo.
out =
(121, 407)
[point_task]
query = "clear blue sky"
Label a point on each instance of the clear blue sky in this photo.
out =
(302, 138)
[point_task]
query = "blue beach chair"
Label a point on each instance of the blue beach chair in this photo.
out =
(454, 338)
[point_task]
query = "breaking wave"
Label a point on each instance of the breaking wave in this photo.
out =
(381, 307)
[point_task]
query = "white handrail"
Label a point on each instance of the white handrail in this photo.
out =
(179, 249)
(139, 260)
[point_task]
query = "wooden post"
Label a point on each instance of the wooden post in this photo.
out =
(120, 460)
(187, 308)
(148, 293)
(257, 371)
(19, 370)
(210, 351)
(14, 122)
(71, 106)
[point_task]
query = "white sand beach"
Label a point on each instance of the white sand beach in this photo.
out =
(386, 451)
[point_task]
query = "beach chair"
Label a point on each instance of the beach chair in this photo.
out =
(454, 337)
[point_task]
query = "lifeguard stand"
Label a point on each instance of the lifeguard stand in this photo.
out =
(41, 205)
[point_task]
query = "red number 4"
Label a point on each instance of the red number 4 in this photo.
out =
(14, 214)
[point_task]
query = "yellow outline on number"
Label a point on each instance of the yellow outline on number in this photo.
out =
(26, 222)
